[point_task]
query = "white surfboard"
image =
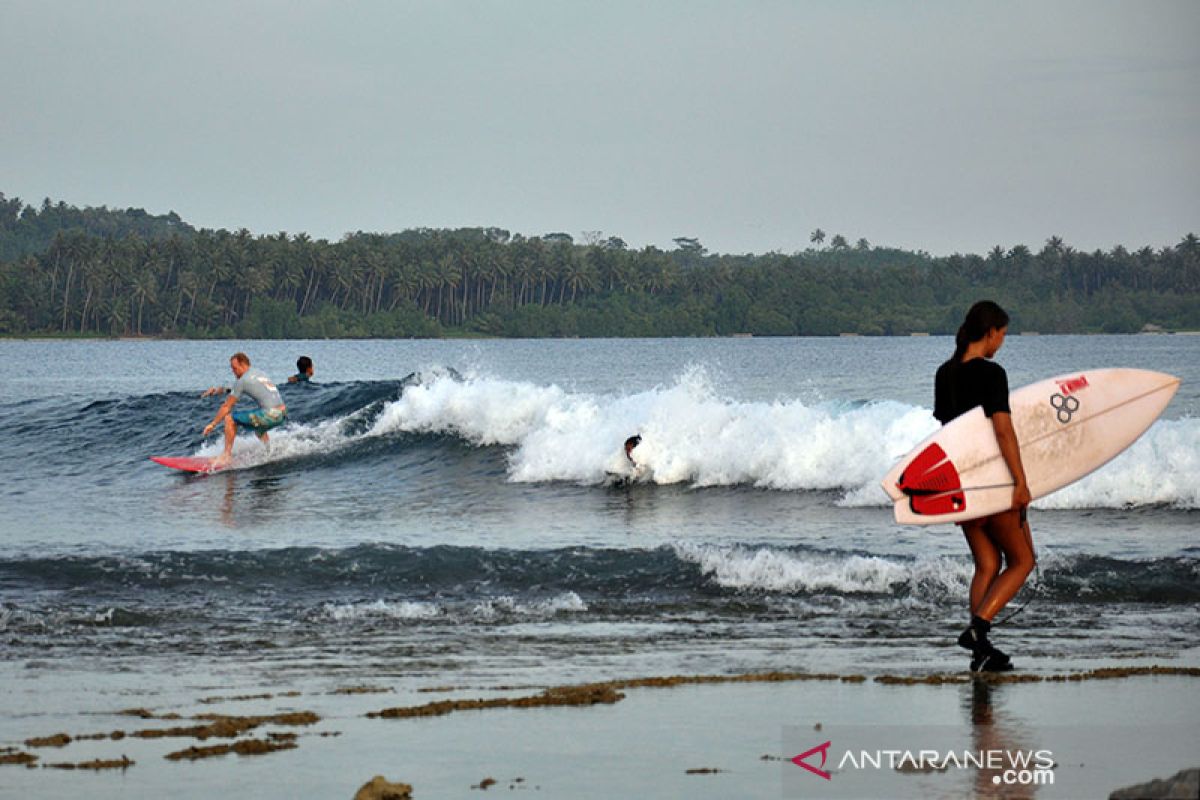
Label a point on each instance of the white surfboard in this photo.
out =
(1066, 427)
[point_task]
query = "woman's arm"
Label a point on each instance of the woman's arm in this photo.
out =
(1007, 439)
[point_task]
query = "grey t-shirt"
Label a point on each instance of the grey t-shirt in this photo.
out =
(255, 383)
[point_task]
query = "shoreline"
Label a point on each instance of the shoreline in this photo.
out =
(711, 736)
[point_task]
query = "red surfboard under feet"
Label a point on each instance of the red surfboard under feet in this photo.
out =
(188, 463)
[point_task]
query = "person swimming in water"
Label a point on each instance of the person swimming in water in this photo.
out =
(271, 412)
(969, 379)
(304, 370)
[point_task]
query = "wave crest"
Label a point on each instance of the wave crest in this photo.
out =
(692, 435)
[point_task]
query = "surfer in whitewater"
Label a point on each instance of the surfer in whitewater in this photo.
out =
(252, 382)
(630, 444)
(1001, 544)
(624, 474)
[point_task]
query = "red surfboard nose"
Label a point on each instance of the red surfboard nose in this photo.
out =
(931, 481)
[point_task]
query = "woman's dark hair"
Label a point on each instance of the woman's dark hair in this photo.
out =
(303, 363)
(984, 317)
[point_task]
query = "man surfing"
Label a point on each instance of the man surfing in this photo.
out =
(271, 411)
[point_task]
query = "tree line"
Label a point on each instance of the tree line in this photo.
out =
(71, 271)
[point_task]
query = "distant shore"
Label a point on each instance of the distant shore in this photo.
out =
(50, 337)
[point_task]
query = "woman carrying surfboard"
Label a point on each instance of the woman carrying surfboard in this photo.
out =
(967, 380)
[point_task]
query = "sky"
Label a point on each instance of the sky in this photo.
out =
(937, 126)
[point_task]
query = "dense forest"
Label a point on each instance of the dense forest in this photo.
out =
(98, 271)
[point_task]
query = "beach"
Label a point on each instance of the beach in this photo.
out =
(695, 736)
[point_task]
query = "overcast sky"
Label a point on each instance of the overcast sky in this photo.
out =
(943, 126)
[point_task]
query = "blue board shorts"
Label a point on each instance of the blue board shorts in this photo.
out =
(260, 421)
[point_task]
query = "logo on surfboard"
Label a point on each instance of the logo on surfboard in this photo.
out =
(1072, 385)
(1065, 407)
(1065, 404)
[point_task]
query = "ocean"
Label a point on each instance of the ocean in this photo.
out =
(438, 512)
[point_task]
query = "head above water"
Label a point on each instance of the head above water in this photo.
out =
(239, 363)
(632, 442)
(985, 322)
(304, 365)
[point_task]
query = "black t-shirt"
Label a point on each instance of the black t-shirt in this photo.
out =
(960, 387)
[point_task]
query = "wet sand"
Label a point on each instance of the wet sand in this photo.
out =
(694, 736)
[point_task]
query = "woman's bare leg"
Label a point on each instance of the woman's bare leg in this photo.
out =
(987, 560)
(1007, 532)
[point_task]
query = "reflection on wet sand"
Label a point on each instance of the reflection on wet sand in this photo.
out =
(992, 730)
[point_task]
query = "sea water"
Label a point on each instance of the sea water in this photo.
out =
(439, 512)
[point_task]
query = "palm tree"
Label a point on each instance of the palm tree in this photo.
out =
(405, 282)
(426, 279)
(187, 285)
(659, 273)
(1018, 257)
(78, 248)
(144, 288)
(525, 272)
(348, 272)
(499, 269)
(580, 274)
(93, 281)
(626, 274)
(543, 275)
(58, 253)
(817, 238)
(376, 276)
(289, 275)
(449, 277)
(115, 314)
(562, 259)
(316, 261)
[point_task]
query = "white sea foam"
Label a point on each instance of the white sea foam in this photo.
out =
(692, 435)
(296, 440)
(404, 610)
(1161, 468)
(567, 602)
(772, 570)
(503, 606)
